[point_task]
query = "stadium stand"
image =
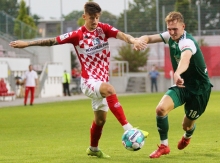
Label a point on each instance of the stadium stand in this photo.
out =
(4, 91)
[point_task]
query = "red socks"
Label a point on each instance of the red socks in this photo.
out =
(95, 134)
(116, 109)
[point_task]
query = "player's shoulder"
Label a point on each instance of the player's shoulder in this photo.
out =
(186, 36)
(104, 25)
(187, 42)
(100, 24)
(77, 31)
(34, 72)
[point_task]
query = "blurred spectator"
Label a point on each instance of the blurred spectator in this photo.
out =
(19, 86)
(74, 73)
(153, 76)
(30, 82)
(78, 81)
(66, 82)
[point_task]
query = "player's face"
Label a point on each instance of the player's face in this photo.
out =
(175, 29)
(30, 68)
(91, 21)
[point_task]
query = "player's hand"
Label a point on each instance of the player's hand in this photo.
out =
(18, 44)
(139, 44)
(178, 80)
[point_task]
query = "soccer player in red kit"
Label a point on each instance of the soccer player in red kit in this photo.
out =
(91, 44)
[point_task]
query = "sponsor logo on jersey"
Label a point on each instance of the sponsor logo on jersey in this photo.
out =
(100, 31)
(173, 46)
(64, 36)
(97, 48)
(96, 41)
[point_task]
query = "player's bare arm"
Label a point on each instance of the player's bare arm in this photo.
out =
(138, 44)
(24, 44)
(151, 38)
(182, 67)
(36, 82)
(125, 37)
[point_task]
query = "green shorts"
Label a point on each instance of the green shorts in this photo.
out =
(194, 105)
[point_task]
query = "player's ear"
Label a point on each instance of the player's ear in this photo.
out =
(84, 16)
(184, 25)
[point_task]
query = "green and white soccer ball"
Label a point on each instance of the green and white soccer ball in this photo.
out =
(133, 139)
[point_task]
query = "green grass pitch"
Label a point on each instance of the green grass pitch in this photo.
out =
(59, 133)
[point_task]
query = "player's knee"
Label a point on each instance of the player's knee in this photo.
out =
(110, 90)
(100, 122)
(160, 110)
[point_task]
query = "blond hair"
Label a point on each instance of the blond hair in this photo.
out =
(172, 16)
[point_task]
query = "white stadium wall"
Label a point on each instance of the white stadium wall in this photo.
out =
(52, 87)
(17, 64)
(3, 70)
(61, 54)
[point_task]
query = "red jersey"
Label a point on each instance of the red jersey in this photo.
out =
(92, 49)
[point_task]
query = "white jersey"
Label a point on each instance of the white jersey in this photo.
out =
(30, 77)
(92, 49)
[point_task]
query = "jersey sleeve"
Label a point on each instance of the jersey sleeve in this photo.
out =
(187, 44)
(109, 30)
(165, 36)
(70, 37)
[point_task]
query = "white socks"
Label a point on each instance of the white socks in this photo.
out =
(128, 126)
(94, 149)
(164, 142)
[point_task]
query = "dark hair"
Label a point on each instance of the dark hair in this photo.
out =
(92, 8)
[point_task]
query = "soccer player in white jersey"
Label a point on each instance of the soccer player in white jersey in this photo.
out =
(91, 44)
(192, 85)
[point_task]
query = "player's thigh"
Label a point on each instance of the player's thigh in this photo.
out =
(165, 106)
(99, 104)
(195, 105)
(91, 88)
(106, 89)
(178, 95)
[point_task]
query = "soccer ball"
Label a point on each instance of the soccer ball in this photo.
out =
(133, 139)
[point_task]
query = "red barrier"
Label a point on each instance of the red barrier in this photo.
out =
(211, 55)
